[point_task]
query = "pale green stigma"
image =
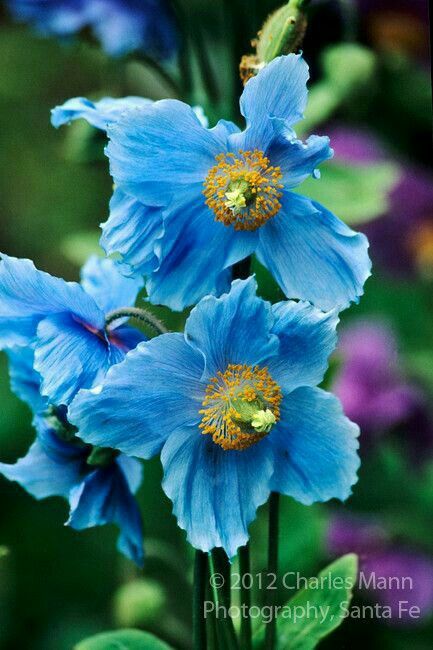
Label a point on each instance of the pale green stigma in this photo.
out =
(263, 421)
(238, 195)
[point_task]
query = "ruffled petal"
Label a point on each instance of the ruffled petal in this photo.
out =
(68, 356)
(101, 279)
(215, 493)
(185, 273)
(313, 255)
(307, 337)
(298, 160)
(50, 468)
(166, 145)
(221, 328)
(25, 381)
(315, 448)
(132, 231)
(28, 295)
(155, 390)
(98, 114)
(104, 497)
(278, 91)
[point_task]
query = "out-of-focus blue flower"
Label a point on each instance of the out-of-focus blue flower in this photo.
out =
(64, 322)
(99, 490)
(190, 202)
(401, 240)
(233, 405)
(393, 574)
(121, 26)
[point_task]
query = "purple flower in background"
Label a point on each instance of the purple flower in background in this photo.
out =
(121, 26)
(371, 385)
(394, 576)
(401, 241)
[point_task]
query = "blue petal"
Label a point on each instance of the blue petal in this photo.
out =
(307, 338)
(298, 160)
(122, 339)
(68, 357)
(50, 468)
(99, 114)
(185, 274)
(315, 448)
(235, 328)
(155, 390)
(101, 279)
(132, 231)
(104, 497)
(215, 493)
(25, 381)
(313, 255)
(278, 91)
(28, 295)
(166, 145)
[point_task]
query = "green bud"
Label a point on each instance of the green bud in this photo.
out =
(282, 32)
(139, 603)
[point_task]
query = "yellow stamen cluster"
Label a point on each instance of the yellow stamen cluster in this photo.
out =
(243, 190)
(240, 388)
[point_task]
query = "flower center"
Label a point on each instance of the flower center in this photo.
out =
(240, 407)
(243, 190)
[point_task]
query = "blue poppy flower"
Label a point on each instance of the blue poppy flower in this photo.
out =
(99, 484)
(190, 201)
(121, 26)
(65, 322)
(234, 408)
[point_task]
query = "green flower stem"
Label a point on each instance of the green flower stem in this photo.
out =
(139, 314)
(225, 629)
(245, 569)
(271, 628)
(222, 566)
(199, 594)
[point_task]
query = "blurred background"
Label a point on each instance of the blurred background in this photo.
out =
(371, 92)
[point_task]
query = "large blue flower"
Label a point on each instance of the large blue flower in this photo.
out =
(190, 201)
(234, 407)
(65, 322)
(122, 26)
(99, 484)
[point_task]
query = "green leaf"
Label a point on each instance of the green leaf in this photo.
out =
(355, 193)
(315, 612)
(77, 248)
(123, 640)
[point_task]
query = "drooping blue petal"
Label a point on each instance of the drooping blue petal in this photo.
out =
(296, 159)
(186, 274)
(132, 231)
(313, 255)
(68, 357)
(307, 338)
(315, 448)
(215, 493)
(99, 114)
(25, 381)
(278, 91)
(51, 467)
(159, 150)
(233, 329)
(158, 382)
(101, 279)
(27, 295)
(104, 497)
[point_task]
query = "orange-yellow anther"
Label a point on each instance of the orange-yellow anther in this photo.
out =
(243, 190)
(233, 398)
